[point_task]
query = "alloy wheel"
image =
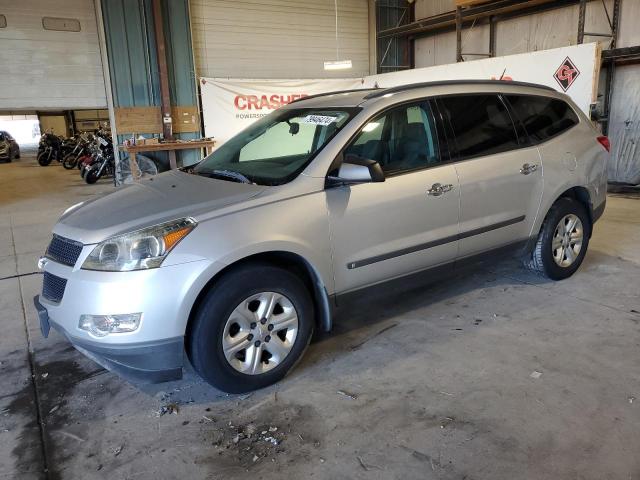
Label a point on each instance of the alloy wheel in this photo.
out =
(260, 333)
(567, 240)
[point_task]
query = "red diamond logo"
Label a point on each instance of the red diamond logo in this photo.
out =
(566, 74)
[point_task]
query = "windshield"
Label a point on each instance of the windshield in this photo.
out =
(276, 148)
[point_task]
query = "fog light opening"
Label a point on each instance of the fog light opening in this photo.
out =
(103, 325)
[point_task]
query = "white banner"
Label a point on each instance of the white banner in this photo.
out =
(572, 70)
(229, 105)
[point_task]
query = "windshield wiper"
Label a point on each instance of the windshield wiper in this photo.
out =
(227, 174)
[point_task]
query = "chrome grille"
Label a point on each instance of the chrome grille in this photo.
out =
(53, 287)
(63, 250)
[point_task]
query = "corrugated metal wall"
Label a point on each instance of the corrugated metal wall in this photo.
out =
(278, 38)
(47, 69)
(551, 29)
(133, 65)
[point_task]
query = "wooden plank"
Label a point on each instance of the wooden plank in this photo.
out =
(186, 119)
(165, 146)
(470, 3)
(138, 120)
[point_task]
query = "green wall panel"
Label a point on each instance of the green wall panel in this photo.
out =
(133, 65)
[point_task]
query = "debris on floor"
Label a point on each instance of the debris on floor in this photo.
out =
(352, 396)
(366, 466)
(535, 374)
(169, 408)
(632, 399)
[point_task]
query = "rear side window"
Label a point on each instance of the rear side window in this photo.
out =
(481, 124)
(543, 117)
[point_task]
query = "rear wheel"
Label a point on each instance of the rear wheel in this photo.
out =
(563, 240)
(251, 328)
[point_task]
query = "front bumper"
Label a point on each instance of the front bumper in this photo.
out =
(153, 362)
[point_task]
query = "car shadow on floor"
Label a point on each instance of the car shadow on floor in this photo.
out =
(355, 322)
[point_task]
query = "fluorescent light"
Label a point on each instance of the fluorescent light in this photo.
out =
(338, 65)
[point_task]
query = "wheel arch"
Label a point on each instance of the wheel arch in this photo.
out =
(576, 192)
(280, 258)
(581, 195)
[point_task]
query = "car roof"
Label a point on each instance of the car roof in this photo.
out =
(354, 98)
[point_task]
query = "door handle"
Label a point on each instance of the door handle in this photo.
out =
(528, 168)
(438, 189)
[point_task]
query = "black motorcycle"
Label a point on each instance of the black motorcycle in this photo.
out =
(49, 149)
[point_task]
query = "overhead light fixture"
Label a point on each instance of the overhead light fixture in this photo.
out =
(338, 64)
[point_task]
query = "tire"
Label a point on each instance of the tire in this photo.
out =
(17, 157)
(552, 262)
(44, 158)
(210, 327)
(91, 176)
(69, 162)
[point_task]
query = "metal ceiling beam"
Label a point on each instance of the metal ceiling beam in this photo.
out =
(501, 9)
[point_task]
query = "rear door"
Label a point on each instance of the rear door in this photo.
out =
(500, 172)
(384, 230)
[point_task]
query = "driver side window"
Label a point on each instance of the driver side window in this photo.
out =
(400, 140)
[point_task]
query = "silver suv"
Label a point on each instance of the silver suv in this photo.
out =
(237, 260)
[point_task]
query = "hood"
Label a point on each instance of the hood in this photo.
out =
(165, 197)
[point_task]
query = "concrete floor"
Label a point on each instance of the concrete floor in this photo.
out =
(429, 382)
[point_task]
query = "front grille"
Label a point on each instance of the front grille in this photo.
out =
(53, 287)
(63, 250)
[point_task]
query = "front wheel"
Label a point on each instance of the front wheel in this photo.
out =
(69, 162)
(563, 240)
(92, 175)
(44, 158)
(251, 328)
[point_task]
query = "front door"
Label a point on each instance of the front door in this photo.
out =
(409, 222)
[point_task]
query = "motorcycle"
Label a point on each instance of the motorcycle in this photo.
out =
(49, 149)
(81, 148)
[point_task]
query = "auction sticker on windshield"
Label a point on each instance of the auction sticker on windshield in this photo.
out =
(323, 120)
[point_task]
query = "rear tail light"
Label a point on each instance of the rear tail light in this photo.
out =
(604, 141)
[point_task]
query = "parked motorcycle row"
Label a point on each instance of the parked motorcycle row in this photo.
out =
(91, 153)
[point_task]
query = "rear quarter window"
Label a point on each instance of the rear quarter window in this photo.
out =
(543, 117)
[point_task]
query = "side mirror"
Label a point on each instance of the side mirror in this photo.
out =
(356, 169)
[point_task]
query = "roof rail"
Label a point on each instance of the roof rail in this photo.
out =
(332, 93)
(401, 88)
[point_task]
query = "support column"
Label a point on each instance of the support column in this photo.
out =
(459, 34)
(165, 95)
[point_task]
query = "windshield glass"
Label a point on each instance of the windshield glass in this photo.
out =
(276, 148)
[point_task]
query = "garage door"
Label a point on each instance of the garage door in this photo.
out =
(50, 55)
(278, 38)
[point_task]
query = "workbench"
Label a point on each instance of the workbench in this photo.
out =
(170, 147)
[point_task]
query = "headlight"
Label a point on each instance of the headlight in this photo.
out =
(138, 250)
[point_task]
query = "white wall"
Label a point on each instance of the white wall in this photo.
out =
(44, 69)
(551, 29)
(278, 38)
